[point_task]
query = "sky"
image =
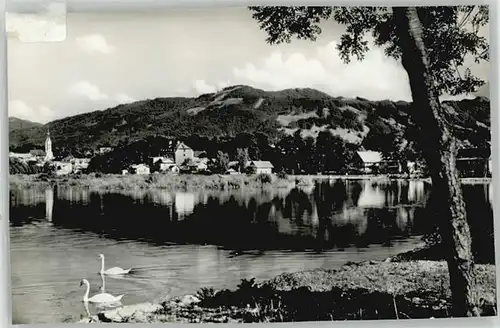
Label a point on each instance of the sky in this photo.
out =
(61, 65)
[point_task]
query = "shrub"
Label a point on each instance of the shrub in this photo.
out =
(264, 178)
(44, 177)
(282, 175)
(205, 294)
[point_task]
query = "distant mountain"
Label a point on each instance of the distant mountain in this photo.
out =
(19, 124)
(243, 109)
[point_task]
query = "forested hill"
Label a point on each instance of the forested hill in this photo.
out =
(243, 109)
(19, 124)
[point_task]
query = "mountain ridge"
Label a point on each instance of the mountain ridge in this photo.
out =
(243, 109)
(16, 123)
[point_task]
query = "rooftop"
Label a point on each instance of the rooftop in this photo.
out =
(183, 146)
(370, 156)
(262, 164)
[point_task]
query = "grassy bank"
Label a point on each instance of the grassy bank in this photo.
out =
(185, 182)
(188, 182)
(114, 182)
(363, 291)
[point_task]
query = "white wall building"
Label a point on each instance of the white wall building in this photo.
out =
(182, 153)
(63, 168)
(261, 167)
(141, 169)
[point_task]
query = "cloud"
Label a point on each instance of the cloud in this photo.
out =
(376, 77)
(94, 44)
(201, 87)
(123, 98)
(222, 85)
(21, 110)
(87, 90)
(47, 25)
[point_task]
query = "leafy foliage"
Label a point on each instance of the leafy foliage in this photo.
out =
(242, 157)
(450, 32)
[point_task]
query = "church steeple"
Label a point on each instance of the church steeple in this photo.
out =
(48, 148)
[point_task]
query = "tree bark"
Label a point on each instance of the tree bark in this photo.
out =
(439, 147)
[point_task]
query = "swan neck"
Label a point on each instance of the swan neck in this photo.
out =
(103, 283)
(102, 264)
(86, 296)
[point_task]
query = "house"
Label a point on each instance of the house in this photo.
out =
(80, 164)
(104, 150)
(260, 167)
(236, 165)
(200, 154)
(183, 153)
(233, 165)
(23, 157)
(474, 162)
(173, 169)
(368, 161)
(201, 164)
(38, 154)
(155, 159)
(390, 166)
(63, 168)
(167, 165)
(141, 169)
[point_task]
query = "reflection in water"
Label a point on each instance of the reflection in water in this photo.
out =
(86, 307)
(332, 215)
(180, 242)
(184, 203)
(49, 203)
(372, 196)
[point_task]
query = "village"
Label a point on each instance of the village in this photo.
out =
(184, 160)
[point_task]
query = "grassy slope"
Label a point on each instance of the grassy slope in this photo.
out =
(244, 109)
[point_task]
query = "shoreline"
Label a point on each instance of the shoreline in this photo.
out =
(191, 182)
(396, 288)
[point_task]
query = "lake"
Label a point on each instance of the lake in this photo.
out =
(179, 242)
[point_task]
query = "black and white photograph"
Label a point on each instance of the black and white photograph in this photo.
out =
(258, 164)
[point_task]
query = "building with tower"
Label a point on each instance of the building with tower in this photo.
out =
(48, 148)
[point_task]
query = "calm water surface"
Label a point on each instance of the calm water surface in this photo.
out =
(180, 242)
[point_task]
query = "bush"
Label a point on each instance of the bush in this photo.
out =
(264, 178)
(282, 175)
(206, 295)
(44, 177)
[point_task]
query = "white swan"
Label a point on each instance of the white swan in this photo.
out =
(111, 271)
(99, 298)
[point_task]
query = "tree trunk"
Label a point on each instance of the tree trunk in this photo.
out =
(439, 148)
